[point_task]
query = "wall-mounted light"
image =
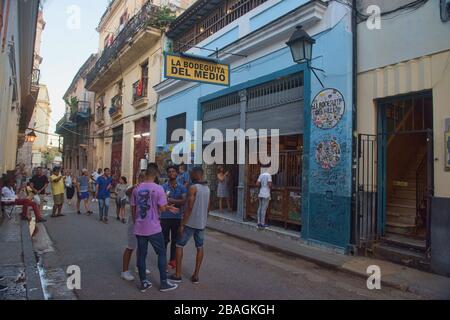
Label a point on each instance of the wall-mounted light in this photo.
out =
(301, 46)
(31, 137)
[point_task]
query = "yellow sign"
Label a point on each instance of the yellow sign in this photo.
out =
(196, 69)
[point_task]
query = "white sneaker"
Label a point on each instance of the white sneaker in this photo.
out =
(127, 276)
(146, 271)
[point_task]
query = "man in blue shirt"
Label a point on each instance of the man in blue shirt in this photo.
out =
(183, 177)
(170, 222)
(104, 184)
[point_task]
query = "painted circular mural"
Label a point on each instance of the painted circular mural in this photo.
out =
(327, 109)
(328, 154)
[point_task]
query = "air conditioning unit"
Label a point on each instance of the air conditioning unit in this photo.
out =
(445, 10)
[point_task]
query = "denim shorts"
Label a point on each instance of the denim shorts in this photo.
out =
(199, 237)
(83, 195)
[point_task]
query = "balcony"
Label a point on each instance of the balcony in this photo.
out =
(189, 31)
(81, 111)
(35, 77)
(140, 93)
(116, 107)
(64, 126)
(100, 115)
(138, 35)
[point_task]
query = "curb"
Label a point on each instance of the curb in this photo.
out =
(33, 280)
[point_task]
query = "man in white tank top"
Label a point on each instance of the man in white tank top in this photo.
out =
(193, 223)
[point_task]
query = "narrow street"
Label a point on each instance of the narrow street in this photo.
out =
(233, 269)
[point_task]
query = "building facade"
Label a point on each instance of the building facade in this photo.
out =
(403, 123)
(269, 90)
(128, 66)
(76, 126)
(19, 84)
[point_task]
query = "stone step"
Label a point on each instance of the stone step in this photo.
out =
(404, 193)
(401, 208)
(401, 228)
(401, 255)
(403, 201)
(409, 243)
(401, 218)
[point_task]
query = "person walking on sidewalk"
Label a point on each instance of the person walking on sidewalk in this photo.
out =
(57, 181)
(94, 176)
(69, 182)
(194, 223)
(121, 198)
(104, 185)
(147, 201)
(9, 197)
(83, 192)
(264, 184)
(170, 222)
(39, 183)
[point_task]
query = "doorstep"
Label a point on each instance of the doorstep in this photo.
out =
(276, 239)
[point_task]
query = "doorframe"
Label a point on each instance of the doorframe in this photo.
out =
(382, 136)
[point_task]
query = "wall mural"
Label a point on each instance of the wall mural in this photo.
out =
(328, 154)
(327, 109)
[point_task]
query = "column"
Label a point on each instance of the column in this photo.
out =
(241, 185)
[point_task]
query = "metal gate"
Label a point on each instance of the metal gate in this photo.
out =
(366, 224)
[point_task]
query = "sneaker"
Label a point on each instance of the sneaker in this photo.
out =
(127, 276)
(2, 278)
(117, 218)
(195, 280)
(3, 288)
(145, 285)
(41, 220)
(168, 286)
(175, 279)
(79, 212)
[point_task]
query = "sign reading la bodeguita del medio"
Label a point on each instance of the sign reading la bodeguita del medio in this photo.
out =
(196, 69)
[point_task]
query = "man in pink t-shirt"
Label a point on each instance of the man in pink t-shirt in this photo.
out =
(147, 201)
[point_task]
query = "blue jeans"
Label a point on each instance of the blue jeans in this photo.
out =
(103, 207)
(262, 210)
(157, 242)
(199, 237)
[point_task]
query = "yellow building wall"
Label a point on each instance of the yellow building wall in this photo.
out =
(130, 113)
(425, 73)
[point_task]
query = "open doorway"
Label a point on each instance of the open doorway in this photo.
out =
(406, 130)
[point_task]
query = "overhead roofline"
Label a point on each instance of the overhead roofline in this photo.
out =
(83, 69)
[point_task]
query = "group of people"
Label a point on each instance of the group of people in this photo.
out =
(171, 213)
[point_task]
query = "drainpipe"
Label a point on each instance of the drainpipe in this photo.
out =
(354, 240)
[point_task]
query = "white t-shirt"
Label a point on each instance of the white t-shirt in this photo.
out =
(8, 194)
(95, 175)
(264, 179)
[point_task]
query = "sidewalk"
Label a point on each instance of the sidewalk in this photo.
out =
(17, 261)
(393, 275)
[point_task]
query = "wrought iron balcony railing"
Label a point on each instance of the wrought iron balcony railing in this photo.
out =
(35, 77)
(140, 89)
(116, 106)
(145, 17)
(224, 14)
(100, 114)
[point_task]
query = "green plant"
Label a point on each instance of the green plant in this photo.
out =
(72, 103)
(163, 18)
